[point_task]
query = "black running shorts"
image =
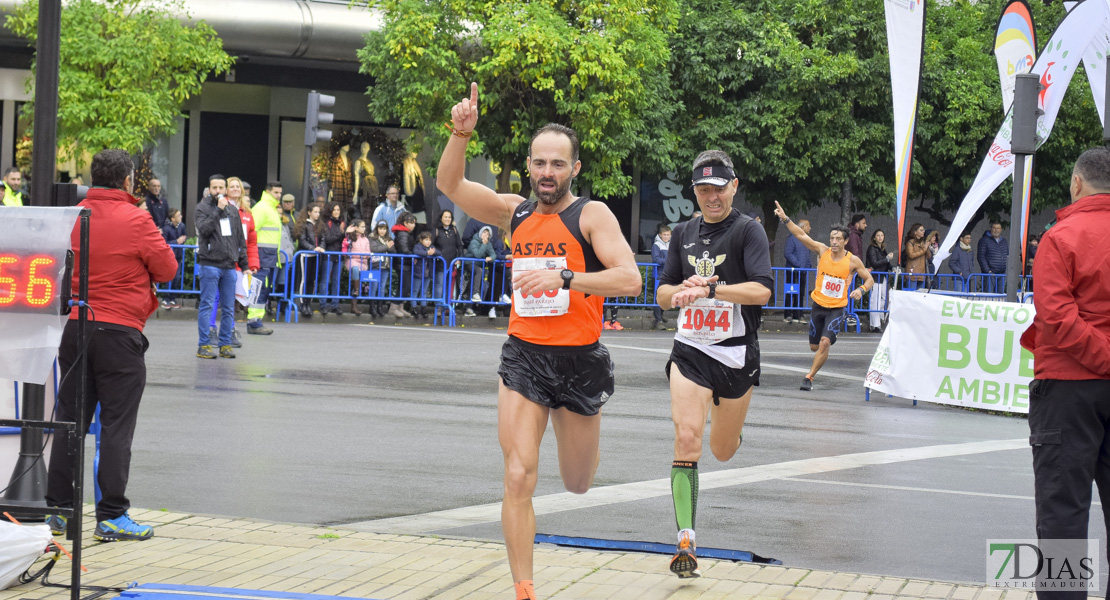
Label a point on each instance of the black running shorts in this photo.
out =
(577, 378)
(708, 372)
(823, 322)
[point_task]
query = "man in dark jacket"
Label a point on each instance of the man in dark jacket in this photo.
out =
(156, 203)
(855, 235)
(961, 263)
(797, 257)
(126, 256)
(221, 245)
(993, 252)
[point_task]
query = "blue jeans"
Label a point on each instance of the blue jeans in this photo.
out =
(215, 280)
(332, 272)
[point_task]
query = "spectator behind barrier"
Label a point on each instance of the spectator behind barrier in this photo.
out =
(173, 231)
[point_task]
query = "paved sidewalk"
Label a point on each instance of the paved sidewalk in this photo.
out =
(259, 555)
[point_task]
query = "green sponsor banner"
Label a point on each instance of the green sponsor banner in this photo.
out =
(949, 350)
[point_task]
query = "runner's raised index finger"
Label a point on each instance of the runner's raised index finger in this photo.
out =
(473, 94)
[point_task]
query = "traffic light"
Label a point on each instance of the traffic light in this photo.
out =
(1027, 90)
(314, 118)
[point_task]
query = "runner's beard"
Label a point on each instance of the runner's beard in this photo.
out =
(552, 197)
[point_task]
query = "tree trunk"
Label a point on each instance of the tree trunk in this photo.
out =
(847, 200)
(505, 176)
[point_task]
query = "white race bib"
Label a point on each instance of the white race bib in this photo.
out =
(548, 303)
(225, 227)
(833, 287)
(709, 321)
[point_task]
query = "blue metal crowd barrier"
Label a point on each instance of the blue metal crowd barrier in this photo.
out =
(646, 297)
(327, 278)
(479, 283)
(188, 283)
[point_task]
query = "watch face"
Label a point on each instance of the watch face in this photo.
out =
(567, 274)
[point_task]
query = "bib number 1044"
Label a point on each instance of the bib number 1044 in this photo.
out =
(27, 280)
(701, 319)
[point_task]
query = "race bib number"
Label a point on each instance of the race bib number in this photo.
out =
(708, 321)
(549, 303)
(834, 287)
(225, 227)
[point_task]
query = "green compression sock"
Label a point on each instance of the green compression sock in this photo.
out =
(684, 491)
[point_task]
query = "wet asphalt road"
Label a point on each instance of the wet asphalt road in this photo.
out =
(353, 423)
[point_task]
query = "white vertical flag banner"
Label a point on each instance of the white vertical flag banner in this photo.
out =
(1094, 64)
(1055, 67)
(905, 36)
(1015, 47)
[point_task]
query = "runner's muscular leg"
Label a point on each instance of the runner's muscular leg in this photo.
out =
(689, 410)
(578, 438)
(727, 424)
(821, 356)
(520, 427)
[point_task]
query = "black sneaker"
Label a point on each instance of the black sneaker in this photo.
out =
(226, 352)
(807, 384)
(206, 352)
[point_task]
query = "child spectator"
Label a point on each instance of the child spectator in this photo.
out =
(380, 243)
(357, 244)
(424, 273)
(481, 247)
(173, 231)
(659, 257)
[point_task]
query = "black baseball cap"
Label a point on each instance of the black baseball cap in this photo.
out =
(718, 175)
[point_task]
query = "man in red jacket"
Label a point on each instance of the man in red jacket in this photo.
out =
(127, 255)
(1069, 398)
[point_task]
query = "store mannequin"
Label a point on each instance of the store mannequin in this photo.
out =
(366, 183)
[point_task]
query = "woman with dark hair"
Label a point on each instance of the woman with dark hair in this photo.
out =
(309, 240)
(403, 266)
(332, 229)
(448, 244)
(914, 256)
(878, 262)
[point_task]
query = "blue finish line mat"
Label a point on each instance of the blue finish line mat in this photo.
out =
(651, 547)
(163, 591)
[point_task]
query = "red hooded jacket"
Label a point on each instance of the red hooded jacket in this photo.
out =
(1070, 336)
(127, 254)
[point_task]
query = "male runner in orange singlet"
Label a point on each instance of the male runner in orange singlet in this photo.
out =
(568, 255)
(834, 269)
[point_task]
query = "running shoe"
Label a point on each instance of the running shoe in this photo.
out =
(470, 313)
(236, 339)
(685, 561)
(505, 299)
(476, 298)
(122, 528)
(57, 524)
(606, 325)
(226, 352)
(206, 352)
(616, 326)
(807, 384)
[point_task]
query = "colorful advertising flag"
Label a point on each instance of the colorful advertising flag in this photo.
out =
(1094, 64)
(1055, 67)
(954, 351)
(905, 36)
(1015, 47)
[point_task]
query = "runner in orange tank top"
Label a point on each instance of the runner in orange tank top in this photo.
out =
(568, 255)
(830, 292)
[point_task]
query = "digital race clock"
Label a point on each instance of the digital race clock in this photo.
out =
(32, 283)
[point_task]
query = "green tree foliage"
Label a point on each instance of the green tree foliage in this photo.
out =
(797, 92)
(598, 66)
(126, 67)
(961, 110)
